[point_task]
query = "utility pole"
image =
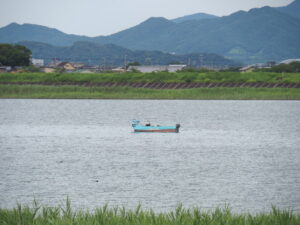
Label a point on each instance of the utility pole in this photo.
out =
(201, 60)
(104, 62)
(148, 61)
(125, 61)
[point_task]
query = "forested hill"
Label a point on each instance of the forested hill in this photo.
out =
(14, 33)
(292, 9)
(112, 55)
(259, 35)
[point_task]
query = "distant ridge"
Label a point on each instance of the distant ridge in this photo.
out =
(14, 32)
(196, 16)
(150, 32)
(259, 35)
(292, 9)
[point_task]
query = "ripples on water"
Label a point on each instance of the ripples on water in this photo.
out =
(242, 153)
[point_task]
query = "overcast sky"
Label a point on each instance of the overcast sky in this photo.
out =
(103, 17)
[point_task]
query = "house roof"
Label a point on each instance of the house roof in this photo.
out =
(64, 63)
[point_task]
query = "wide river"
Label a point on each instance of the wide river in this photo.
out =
(242, 153)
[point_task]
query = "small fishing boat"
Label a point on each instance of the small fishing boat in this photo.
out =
(147, 127)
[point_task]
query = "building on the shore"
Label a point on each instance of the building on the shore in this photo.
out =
(48, 69)
(37, 62)
(5, 69)
(118, 70)
(54, 63)
(252, 67)
(78, 65)
(156, 68)
(175, 68)
(66, 66)
(87, 69)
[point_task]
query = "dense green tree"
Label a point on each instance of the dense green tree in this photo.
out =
(133, 64)
(293, 67)
(32, 68)
(14, 55)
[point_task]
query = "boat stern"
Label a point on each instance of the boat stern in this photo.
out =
(177, 128)
(135, 123)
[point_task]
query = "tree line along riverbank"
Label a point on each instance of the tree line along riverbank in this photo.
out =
(41, 215)
(162, 85)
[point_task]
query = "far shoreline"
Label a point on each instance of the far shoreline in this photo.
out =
(148, 99)
(129, 93)
(211, 85)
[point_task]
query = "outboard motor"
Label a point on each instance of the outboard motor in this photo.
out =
(177, 127)
(135, 123)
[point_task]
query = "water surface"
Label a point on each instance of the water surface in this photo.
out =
(242, 153)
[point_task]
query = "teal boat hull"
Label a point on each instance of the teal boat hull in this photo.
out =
(162, 129)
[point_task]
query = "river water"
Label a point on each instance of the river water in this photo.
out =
(242, 153)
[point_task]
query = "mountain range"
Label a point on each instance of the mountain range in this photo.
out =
(292, 9)
(259, 35)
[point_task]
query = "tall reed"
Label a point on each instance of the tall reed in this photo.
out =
(79, 92)
(179, 77)
(64, 215)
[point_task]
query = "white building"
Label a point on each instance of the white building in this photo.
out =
(174, 68)
(157, 68)
(37, 62)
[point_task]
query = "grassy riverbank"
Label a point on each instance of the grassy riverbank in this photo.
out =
(212, 76)
(116, 216)
(14, 85)
(79, 92)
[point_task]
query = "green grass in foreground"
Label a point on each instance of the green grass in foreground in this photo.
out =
(37, 215)
(183, 76)
(78, 92)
